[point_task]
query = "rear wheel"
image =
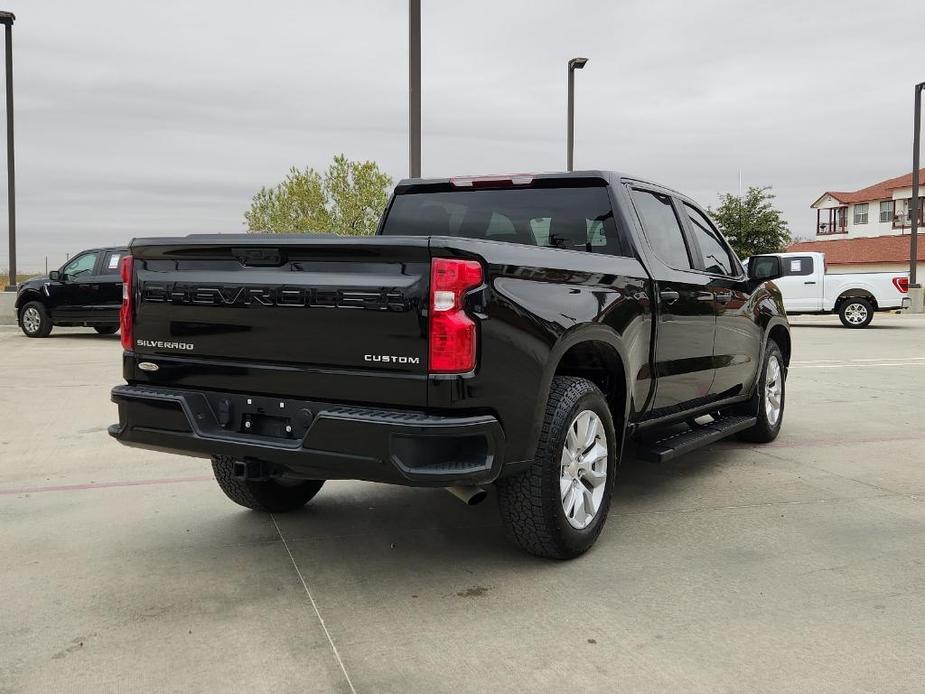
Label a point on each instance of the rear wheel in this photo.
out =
(856, 313)
(106, 329)
(273, 496)
(557, 507)
(34, 320)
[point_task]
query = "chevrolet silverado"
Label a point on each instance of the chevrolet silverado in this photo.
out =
(508, 330)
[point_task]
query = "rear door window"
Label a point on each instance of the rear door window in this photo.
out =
(662, 228)
(576, 218)
(798, 266)
(111, 263)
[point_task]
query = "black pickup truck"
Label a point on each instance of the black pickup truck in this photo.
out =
(515, 330)
(86, 291)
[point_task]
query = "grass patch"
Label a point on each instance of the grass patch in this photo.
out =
(5, 277)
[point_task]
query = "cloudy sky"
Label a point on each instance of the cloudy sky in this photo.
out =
(140, 118)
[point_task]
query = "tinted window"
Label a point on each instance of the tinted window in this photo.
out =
(81, 265)
(572, 218)
(662, 228)
(111, 263)
(762, 265)
(716, 257)
(798, 266)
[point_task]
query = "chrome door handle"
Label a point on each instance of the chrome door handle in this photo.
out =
(723, 297)
(704, 296)
(669, 296)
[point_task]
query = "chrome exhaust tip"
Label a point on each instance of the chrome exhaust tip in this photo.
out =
(470, 496)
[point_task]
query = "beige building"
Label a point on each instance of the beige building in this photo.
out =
(868, 230)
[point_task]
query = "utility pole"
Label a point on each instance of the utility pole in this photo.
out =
(414, 88)
(916, 296)
(7, 19)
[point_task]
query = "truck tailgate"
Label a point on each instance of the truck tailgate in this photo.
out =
(285, 314)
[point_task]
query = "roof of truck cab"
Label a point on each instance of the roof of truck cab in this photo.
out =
(607, 175)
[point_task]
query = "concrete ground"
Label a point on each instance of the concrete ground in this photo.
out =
(792, 567)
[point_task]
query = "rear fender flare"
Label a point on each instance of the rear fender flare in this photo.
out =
(575, 336)
(859, 291)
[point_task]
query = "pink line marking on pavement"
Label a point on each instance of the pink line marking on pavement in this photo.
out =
(815, 443)
(104, 485)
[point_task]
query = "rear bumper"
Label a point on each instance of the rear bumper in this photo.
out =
(323, 440)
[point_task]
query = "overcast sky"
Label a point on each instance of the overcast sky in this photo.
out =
(140, 118)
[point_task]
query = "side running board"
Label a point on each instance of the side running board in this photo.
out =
(700, 435)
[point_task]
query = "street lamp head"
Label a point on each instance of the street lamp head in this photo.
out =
(577, 63)
(7, 18)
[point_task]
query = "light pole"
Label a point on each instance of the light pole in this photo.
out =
(414, 88)
(913, 241)
(7, 19)
(573, 64)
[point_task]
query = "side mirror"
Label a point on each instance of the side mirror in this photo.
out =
(762, 268)
(54, 276)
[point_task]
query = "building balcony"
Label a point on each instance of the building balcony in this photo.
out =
(828, 228)
(836, 221)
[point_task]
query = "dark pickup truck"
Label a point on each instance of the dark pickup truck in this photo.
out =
(515, 330)
(86, 291)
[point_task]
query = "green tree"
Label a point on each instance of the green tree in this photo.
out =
(751, 222)
(348, 198)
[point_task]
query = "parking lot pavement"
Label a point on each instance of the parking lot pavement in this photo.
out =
(795, 566)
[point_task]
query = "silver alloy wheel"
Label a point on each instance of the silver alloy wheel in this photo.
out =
(31, 320)
(583, 469)
(773, 390)
(855, 313)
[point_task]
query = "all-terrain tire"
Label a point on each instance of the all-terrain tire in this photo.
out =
(106, 329)
(766, 429)
(531, 501)
(270, 495)
(34, 320)
(856, 313)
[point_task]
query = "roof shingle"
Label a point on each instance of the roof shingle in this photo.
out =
(872, 249)
(878, 191)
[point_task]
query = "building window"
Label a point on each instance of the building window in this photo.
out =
(886, 211)
(860, 213)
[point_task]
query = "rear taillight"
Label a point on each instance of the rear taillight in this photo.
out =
(902, 284)
(452, 332)
(127, 312)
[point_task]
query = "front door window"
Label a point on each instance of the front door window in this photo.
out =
(81, 265)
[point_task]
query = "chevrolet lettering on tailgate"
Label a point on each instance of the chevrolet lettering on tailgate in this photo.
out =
(224, 295)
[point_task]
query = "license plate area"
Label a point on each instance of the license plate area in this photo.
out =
(266, 425)
(252, 415)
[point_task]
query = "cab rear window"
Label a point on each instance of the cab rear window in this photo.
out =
(578, 219)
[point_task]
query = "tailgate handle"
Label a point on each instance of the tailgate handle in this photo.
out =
(258, 257)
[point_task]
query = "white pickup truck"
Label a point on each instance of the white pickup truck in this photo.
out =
(807, 288)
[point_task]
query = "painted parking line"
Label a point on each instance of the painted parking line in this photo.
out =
(105, 485)
(824, 442)
(851, 361)
(855, 365)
